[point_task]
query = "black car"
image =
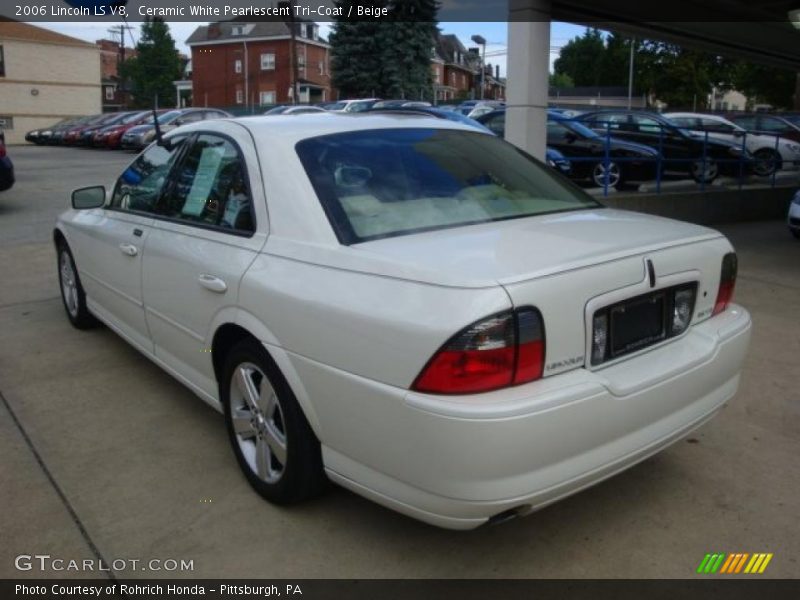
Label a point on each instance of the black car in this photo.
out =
(586, 151)
(6, 166)
(784, 125)
(703, 159)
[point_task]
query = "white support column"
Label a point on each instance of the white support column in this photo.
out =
(528, 75)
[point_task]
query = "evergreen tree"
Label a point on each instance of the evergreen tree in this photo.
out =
(154, 68)
(388, 57)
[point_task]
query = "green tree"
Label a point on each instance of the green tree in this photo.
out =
(389, 57)
(581, 58)
(561, 80)
(763, 84)
(157, 64)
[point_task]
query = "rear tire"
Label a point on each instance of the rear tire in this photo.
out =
(766, 162)
(615, 179)
(72, 293)
(710, 174)
(273, 443)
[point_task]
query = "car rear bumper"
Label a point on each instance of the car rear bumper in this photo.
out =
(458, 461)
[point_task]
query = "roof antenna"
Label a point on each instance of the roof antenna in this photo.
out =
(159, 138)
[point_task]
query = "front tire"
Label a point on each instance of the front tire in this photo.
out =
(72, 293)
(273, 443)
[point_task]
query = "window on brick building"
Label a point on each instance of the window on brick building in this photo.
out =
(268, 61)
(239, 97)
(265, 98)
(237, 65)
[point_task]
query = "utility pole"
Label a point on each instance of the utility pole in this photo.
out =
(630, 74)
(120, 29)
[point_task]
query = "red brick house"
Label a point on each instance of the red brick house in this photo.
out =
(113, 98)
(249, 65)
(455, 67)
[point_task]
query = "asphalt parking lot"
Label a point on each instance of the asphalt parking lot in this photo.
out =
(107, 456)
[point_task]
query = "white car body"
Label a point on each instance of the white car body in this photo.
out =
(352, 326)
(789, 150)
(351, 104)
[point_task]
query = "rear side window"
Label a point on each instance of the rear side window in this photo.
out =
(390, 182)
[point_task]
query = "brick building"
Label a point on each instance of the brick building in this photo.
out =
(454, 69)
(113, 97)
(249, 65)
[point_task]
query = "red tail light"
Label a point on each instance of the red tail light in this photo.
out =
(727, 281)
(502, 350)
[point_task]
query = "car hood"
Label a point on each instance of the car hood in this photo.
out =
(505, 252)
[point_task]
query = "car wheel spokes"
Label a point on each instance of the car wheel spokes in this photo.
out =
(69, 286)
(258, 422)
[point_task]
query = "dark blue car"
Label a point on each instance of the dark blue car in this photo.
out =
(6, 166)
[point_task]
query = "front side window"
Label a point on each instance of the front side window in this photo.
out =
(389, 182)
(774, 125)
(210, 187)
(142, 183)
(268, 61)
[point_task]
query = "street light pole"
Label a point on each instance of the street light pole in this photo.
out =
(481, 41)
(630, 75)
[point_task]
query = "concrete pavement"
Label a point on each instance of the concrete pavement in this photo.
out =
(122, 462)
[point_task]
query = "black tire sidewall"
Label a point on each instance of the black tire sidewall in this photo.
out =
(303, 476)
(83, 319)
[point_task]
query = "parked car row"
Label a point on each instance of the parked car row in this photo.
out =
(130, 130)
(615, 146)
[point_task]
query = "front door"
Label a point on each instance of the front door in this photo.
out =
(203, 240)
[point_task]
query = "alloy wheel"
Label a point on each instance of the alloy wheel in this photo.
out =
(705, 175)
(599, 174)
(258, 422)
(69, 284)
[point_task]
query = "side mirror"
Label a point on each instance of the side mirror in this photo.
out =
(89, 197)
(737, 133)
(570, 137)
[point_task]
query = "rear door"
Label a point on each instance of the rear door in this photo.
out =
(203, 240)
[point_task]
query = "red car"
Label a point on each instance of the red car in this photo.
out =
(110, 135)
(72, 136)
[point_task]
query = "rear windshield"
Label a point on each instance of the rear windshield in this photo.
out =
(389, 182)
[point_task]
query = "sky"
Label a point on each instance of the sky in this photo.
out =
(496, 35)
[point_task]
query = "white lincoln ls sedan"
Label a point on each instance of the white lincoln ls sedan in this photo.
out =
(408, 307)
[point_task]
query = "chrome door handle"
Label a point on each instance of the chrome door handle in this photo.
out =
(129, 249)
(215, 284)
